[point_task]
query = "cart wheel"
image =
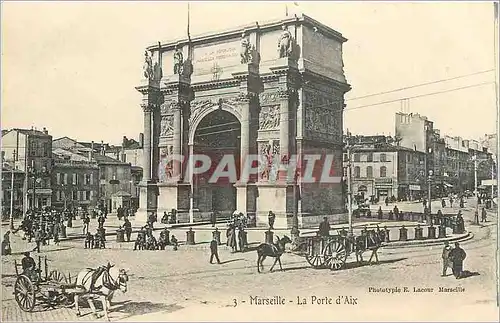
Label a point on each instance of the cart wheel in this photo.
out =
(316, 261)
(335, 254)
(24, 293)
(57, 276)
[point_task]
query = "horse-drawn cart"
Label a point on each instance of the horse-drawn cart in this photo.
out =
(41, 287)
(332, 251)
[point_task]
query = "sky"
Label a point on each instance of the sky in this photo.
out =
(72, 67)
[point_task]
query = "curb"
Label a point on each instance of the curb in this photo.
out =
(423, 243)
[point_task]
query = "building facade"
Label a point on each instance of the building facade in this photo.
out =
(382, 169)
(274, 89)
(75, 181)
(115, 183)
(12, 190)
(30, 151)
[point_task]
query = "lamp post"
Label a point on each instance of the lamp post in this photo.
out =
(11, 216)
(429, 181)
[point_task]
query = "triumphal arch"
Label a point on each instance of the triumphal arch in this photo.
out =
(273, 89)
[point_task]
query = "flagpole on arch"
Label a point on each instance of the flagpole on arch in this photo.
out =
(188, 21)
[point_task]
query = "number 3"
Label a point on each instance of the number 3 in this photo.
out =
(235, 302)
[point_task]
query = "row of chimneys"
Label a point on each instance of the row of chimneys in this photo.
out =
(124, 143)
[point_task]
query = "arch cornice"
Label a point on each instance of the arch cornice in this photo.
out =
(200, 109)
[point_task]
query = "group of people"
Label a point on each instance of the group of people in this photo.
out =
(453, 258)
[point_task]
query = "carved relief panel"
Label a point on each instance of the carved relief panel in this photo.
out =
(269, 117)
(269, 161)
(167, 126)
(323, 116)
(166, 168)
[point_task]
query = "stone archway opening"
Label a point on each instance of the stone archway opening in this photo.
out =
(217, 136)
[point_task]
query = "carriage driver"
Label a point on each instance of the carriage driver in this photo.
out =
(29, 266)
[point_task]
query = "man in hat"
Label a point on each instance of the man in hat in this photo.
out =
(271, 217)
(457, 256)
(213, 251)
(29, 266)
(324, 228)
(483, 215)
(446, 257)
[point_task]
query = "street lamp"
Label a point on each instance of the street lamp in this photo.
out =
(36, 175)
(429, 180)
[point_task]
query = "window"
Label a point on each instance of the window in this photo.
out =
(58, 195)
(91, 179)
(369, 172)
(87, 195)
(58, 178)
(103, 173)
(383, 158)
(63, 195)
(74, 195)
(356, 172)
(356, 158)
(66, 179)
(383, 171)
(75, 179)
(369, 157)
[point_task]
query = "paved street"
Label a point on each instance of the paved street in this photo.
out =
(174, 285)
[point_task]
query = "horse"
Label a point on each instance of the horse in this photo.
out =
(102, 283)
(368, 240)
(274, 250)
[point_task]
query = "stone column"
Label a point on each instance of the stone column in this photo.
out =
(284, 124)
(148, 111)
(245, 131)
(177, 144)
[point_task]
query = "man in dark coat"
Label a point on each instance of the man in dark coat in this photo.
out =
(457, 257)
(213, 218)
(213, 251)
(483, 215)
(128, 228)
(446, 258)
(271, 217)
(324, 228)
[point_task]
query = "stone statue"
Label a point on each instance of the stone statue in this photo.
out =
(178, 62)
(285, 43)
(148, 66)
(245, 51)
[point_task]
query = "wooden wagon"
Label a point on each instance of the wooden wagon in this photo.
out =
(332, 251)
(41, 286)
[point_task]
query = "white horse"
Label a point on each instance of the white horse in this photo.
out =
(100, 283)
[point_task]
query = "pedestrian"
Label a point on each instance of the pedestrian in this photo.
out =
(457, 256)
(451, 201)
(396, 213)
(476, 217)
(86, 223)
(242, 238)
(6, 249)
(446, 258)
(128, 228)
(380, 213)
(324, 228)
(89, 241)
(213, 219)
(271, 217)
(424, 203)
(443, 203)
(174, 242)
(483, 215)
(38, 239)
(213, 251)
(386, 201)
(462, 202)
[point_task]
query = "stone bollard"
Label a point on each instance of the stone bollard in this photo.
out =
(63, 231)
(431, 232)
(387, 238)
(269, 236)
(190, 237)
(120, 235)
(418, 233)
(403, 234)
(216, 236)
(442, 231)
